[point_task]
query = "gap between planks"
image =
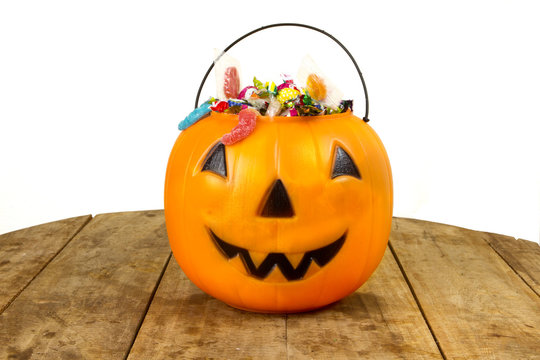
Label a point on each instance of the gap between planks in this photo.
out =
(510, 265)
(172, 328)
(491, 240)
(473, 300)
(391, 248)
(83, 225)
(148, 305)
(88, 302)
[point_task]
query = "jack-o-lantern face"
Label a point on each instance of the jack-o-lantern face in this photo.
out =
(294, 217)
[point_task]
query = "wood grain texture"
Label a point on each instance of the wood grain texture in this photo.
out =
(24, 253)
(477, 306)
(185, 323)
(379, 321)
(89, 301)
(522, 255)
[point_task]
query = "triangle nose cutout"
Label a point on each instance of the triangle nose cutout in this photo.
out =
(278, 203)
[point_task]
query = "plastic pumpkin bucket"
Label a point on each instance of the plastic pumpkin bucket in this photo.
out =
(292, 218)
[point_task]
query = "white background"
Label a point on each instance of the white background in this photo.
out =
(91, 94)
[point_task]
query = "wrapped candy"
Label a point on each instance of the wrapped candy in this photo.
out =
(233, 109)
(287, 79)
(247, 92)
(287, 93)
(274, 108)
(231, 82)
(318, 97)
(259, 104)
(219, 106)
(227, 71)
(272, 88)
(318, 85)
(258, 84)
(346, 105)
(235, 102)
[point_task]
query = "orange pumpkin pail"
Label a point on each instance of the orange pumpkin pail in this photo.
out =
(294, 217)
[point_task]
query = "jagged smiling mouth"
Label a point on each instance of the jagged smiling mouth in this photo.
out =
(320, 256)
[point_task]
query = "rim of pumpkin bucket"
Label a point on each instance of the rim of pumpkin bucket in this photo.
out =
(286, 118)
(278, 118)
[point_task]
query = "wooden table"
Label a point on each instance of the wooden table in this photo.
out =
(107, 288)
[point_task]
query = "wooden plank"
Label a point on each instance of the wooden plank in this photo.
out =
(24, 253)
(476, 305)
(89, 301)
(185, 323)
(381, 320)
(523, 256)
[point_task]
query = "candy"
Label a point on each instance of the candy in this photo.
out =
(286, 94)
(307, 100)
(272, 89)
(316, 87)
(246, 124)
(235, 103)
(346, 105)
(194, 116)
(285, 99)
(283, 86)
(233, 109)
(263, 94)
(330, 111)
(258, 84)
(260, 104)
(287, 79)
(227, 70)
(274, 108)
(247, 92)
(231, 84)
(220, 106)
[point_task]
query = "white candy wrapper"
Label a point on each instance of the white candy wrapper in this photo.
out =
(309, 72)
(274, 108)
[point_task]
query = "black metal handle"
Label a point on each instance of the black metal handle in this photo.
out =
(366, 119)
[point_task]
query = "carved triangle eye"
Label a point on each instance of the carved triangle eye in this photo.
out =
(215, 160)
(344, 164)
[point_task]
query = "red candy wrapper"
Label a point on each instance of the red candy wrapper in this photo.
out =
(247, 119)
(220, 106)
